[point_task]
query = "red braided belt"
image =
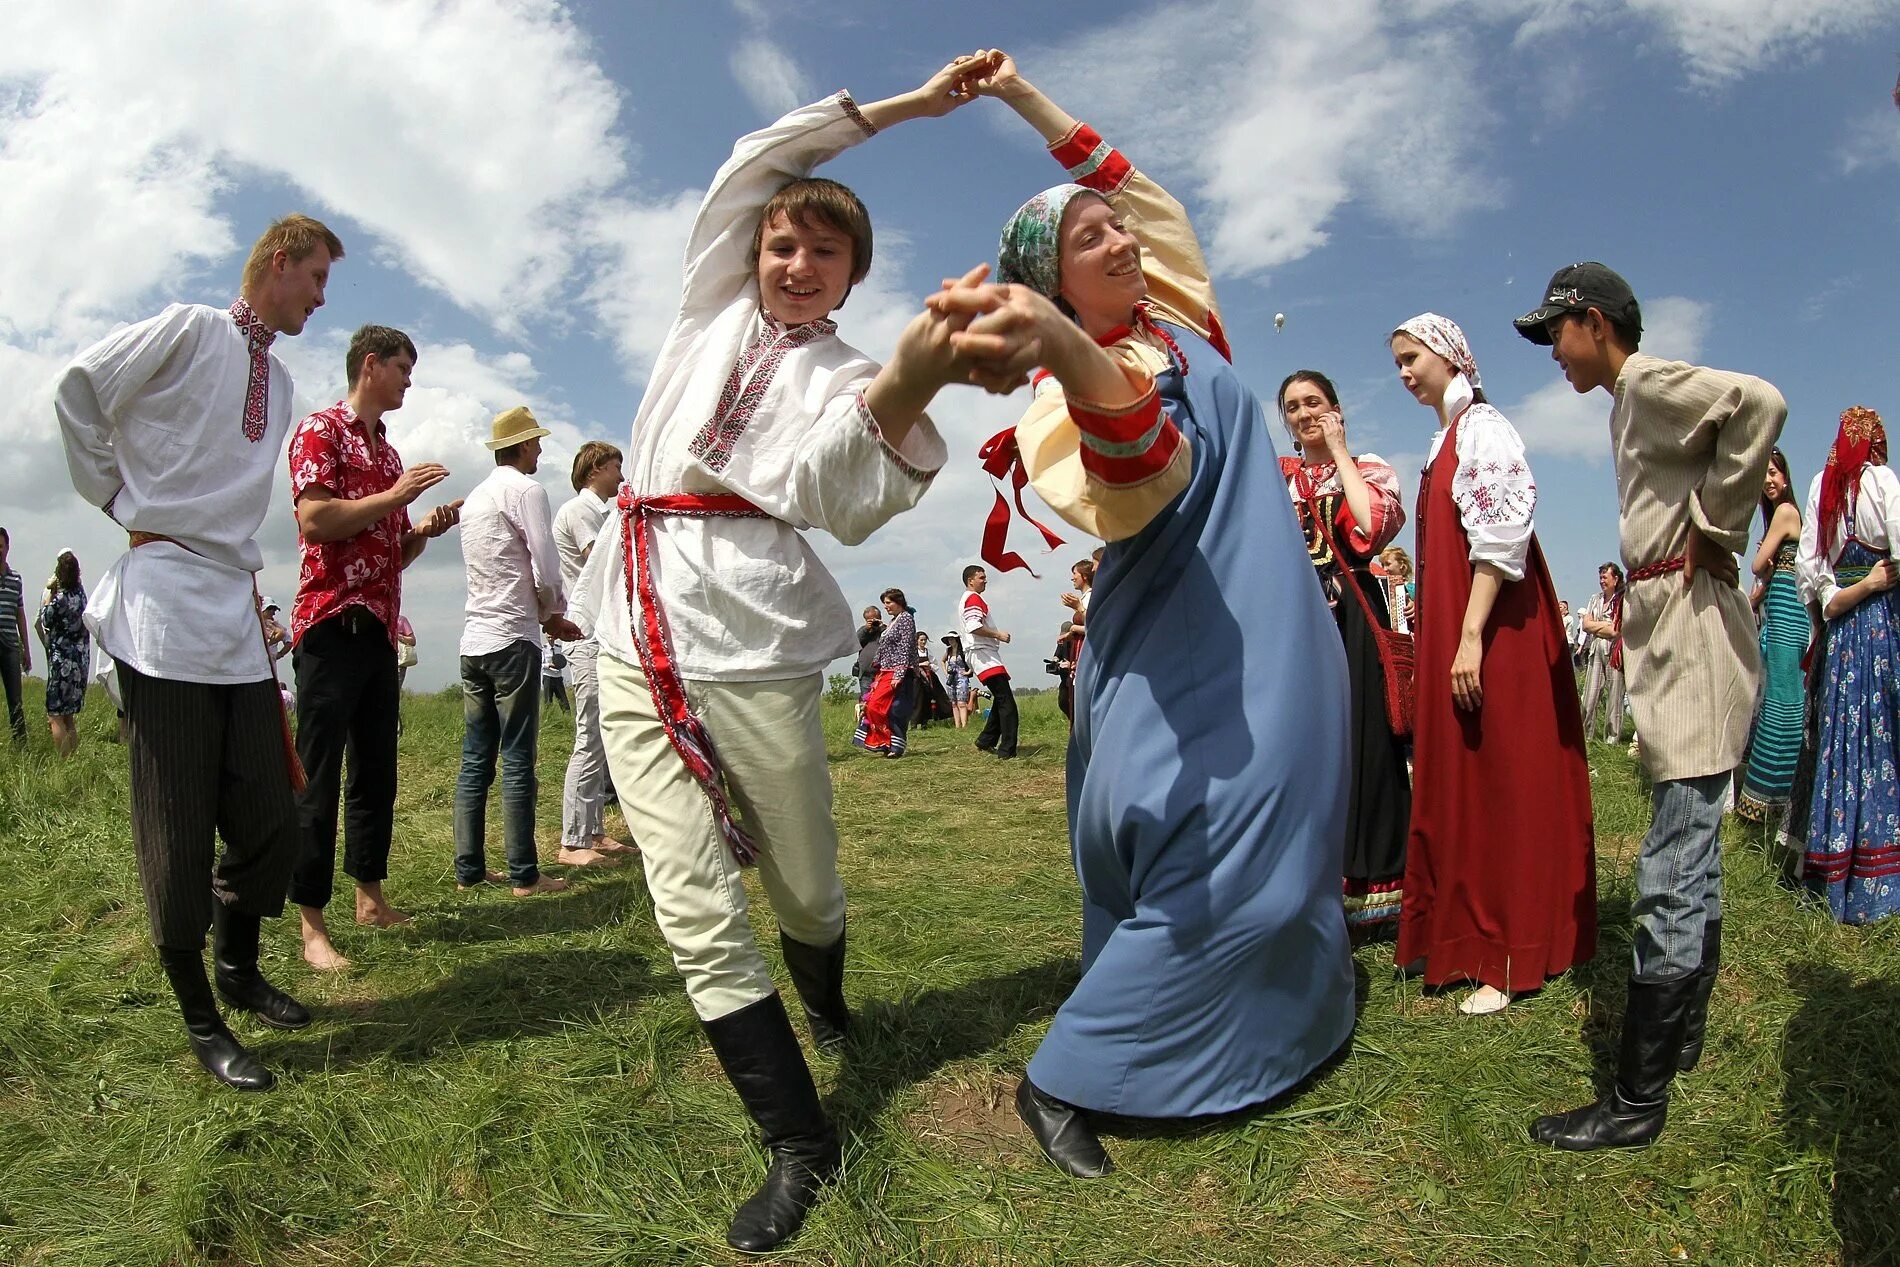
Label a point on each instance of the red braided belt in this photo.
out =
(1650, 571)
(654, 644)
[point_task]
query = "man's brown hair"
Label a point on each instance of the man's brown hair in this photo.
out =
(814, 201)
(593, 455)
(382, 342)
(297, 235)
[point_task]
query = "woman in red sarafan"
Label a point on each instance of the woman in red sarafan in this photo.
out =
(1500, 876)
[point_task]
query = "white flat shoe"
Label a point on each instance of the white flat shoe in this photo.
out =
(1484, 1001)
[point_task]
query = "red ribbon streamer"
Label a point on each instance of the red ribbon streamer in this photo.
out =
(1002, 460)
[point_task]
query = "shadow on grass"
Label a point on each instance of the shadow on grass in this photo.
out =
(1841, 1058)
(1607, 977)
(897, 1044)
(602, 897)
(499, 998)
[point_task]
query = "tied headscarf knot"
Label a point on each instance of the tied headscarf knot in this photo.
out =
(257, 337)
(1861, 440)
(1002, 460)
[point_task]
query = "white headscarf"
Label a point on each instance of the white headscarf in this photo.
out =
(1442, 335)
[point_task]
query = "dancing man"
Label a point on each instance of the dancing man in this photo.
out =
(1691, 446)
(174, 427)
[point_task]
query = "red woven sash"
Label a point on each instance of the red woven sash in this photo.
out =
(654, 644)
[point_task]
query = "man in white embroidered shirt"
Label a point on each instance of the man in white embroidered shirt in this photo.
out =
(584, 835)
(514, 596)
(174, 427)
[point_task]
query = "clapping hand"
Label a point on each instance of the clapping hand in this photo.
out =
(440, 520)
(418, 480)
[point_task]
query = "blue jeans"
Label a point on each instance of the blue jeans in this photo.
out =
(1678, 877)
(501, 712)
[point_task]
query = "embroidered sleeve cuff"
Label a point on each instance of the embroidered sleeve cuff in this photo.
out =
(912, 470)
(852, 112)
(1128, 445)
(1092, 162)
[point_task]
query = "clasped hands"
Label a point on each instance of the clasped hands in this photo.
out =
(978, 332)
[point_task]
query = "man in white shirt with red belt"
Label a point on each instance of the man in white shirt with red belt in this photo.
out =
(174, 427)
(982, 645)
(514, 597)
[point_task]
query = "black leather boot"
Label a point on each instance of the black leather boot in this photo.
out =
(818, 974)
(211, 1042)
(234, 948)
(1063, 1131)
(760, 1054)
(1696, 1015)
(1634, 1111)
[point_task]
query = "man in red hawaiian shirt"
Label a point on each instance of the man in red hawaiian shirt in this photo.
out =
(352, 497)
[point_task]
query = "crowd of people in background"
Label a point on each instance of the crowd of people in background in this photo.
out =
(1277, 713)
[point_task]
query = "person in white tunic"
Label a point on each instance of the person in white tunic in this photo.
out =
(715, 618)
(175, 428)
(1691, 446)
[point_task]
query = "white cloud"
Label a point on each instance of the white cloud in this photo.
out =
(640, 250)
(1872, 141)
(1291, 111)
(1557, 421)
(1722, 40)
(769, 78)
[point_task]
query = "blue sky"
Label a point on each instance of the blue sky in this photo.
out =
(514, 180)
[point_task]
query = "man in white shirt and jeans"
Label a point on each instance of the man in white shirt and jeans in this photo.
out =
(584, 835)
(175, 427)
(514, 596)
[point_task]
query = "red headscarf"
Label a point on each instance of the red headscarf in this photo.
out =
(1861, 439)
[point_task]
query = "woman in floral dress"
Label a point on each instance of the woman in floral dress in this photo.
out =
(68, 651)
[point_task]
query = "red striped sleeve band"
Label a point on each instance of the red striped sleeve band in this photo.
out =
(1129, 445)
(1092, 162)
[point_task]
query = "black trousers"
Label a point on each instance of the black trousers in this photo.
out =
(10, 677)
(999, 733)
(207, 761)
(348, 705)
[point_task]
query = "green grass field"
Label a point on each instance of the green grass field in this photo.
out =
(523, 1082)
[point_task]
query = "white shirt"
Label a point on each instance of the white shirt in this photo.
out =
(748, 599)
(1492, 485)
(514, 571)
(983, 651)
(1876, 524)
(576, 524)
(153, 421)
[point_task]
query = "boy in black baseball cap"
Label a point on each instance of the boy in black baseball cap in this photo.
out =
(1691, 447)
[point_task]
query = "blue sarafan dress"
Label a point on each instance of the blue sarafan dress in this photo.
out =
(1208, 767)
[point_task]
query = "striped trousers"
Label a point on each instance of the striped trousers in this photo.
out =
(207, 761)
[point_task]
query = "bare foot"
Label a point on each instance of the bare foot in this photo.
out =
(607, 844)
(585, 858)
(545, 884)
(318, 952)
(373, 909)
(492, 877)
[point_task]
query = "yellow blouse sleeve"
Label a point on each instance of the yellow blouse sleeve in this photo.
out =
(1171, 259)
(1109, 470)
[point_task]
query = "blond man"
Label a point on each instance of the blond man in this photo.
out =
(174, 427)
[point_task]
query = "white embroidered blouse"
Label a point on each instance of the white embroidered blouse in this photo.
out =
(1492, 486)
(1876, 524)
(748, 599)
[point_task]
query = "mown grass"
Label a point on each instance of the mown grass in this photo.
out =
(517, 1082)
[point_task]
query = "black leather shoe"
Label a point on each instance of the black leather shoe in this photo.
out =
(216, 1049)
(234, 942)
(1637, 1107)
(760, 1054)
(1696, 1013)
(818, 974)
(1063, 1131)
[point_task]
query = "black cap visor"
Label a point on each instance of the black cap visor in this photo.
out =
(1532, 324)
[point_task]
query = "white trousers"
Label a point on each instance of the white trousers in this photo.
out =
(771, 741)
(584, 791)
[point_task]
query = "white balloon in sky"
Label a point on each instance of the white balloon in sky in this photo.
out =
(1279, 321)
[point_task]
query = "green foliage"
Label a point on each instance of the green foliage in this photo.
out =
(841, 688)
(523, 1082)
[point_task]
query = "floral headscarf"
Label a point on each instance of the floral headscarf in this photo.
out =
(1030, 253)
(1862, 439)
(1442, 335)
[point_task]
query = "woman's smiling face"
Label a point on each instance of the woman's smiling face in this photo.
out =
(1101, 265)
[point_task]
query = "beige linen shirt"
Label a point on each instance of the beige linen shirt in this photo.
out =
(1692, 447)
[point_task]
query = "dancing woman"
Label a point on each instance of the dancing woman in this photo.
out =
(1208, 764)
(1775, 745)
(1853, 850)
(1352, 503)
(885, 727)
(1500, 870)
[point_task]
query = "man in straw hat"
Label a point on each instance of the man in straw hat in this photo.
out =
(174, 427)
(716, 618)
(352, 497)
(514, 597)
(1691, 446)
